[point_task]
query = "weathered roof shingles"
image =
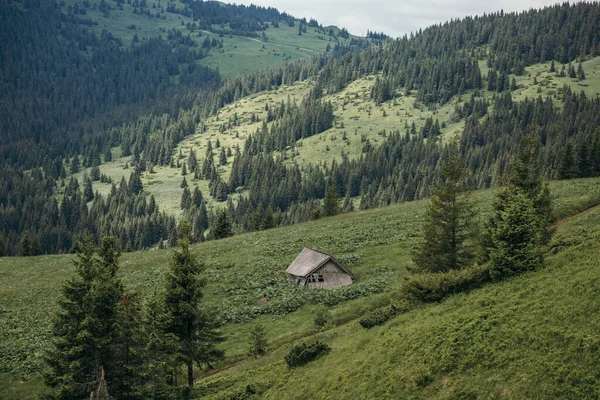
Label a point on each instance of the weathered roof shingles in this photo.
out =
(310, 260)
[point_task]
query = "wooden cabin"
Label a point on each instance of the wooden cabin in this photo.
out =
(314, 269)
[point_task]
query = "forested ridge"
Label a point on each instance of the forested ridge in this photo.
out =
(78, 123)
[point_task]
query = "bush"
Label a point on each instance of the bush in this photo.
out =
(381, 315)
(430, 287)
(302, 353)
(322, 316)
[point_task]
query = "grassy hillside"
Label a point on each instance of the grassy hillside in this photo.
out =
(250, 285)
(358, 119)
(239, 55)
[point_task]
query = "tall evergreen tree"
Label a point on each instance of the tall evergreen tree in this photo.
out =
(567, 163)
(86, 325)
(161, 348)
(331, 202)
(515, 234)
(520, 223)
(222, 226)
(193, 327)
(447, 229)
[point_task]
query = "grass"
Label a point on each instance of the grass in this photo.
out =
(356, 116)
(239, 55)
(375, 244)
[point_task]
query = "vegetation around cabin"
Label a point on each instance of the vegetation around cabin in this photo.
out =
(168, 147)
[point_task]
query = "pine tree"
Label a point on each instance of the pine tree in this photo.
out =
(258, 341)
(515, 234)
(95, 172)
(447, 229)
(580, 72)
(88, 190)
(135, 183)
(160, 351)
(222, 227)
(520, 224)
(197, 197)
(567, 163)
(186, 199)
(268, 221)
(2, 248)
(86, 325)
(75, 166)
(583, 161)
(184, 183)
(193, 327)
(223, 157)
(526, 176)
(330, 204)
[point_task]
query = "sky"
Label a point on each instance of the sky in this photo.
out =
(395, 18)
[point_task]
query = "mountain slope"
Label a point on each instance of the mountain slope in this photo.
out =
(375, 244)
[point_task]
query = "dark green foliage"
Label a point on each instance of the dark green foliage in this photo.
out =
(88, 190)
(566, 170)
(75, 166)
(302, 353)
(2, 248)
(331, 202)
(95, 173)
(515, 235)
(520, 223)
(85, 329)
(184, 183)
(381, 315)
(135, 183)
(222, 227)
(322, 316)
(186, 199)
(448, 229)
(432, 287)
(258, 341)
(194, 328)
(160, 349)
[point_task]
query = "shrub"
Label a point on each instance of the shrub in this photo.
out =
(382, 314)
(301, 353)
(430, 287)
(322, 316)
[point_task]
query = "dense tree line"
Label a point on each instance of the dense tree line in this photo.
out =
(59, 79)
(438, 63)
(441, 61)
(404, 167)
(109, 343)
(35, 220)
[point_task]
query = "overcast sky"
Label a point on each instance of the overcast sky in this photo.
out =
(395, 18)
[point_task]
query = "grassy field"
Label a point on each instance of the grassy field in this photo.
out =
(250, 286)
(239, 55)
(357, 118)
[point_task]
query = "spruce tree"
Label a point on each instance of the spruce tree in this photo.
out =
(566, 167)
(85, 327)
(160, 351)
(330, 204)
(258, 341)
(515, 234)
(193, 327)
(222, 227)
(186, 199)
(447, 230)
(88, 190)
(520, 223)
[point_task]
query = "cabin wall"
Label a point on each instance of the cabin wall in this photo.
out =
(332, 277)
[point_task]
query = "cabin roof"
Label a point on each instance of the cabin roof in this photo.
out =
(310, 260)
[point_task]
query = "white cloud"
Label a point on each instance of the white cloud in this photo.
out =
(395, 18)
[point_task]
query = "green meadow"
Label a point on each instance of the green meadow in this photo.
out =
(465, 342)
